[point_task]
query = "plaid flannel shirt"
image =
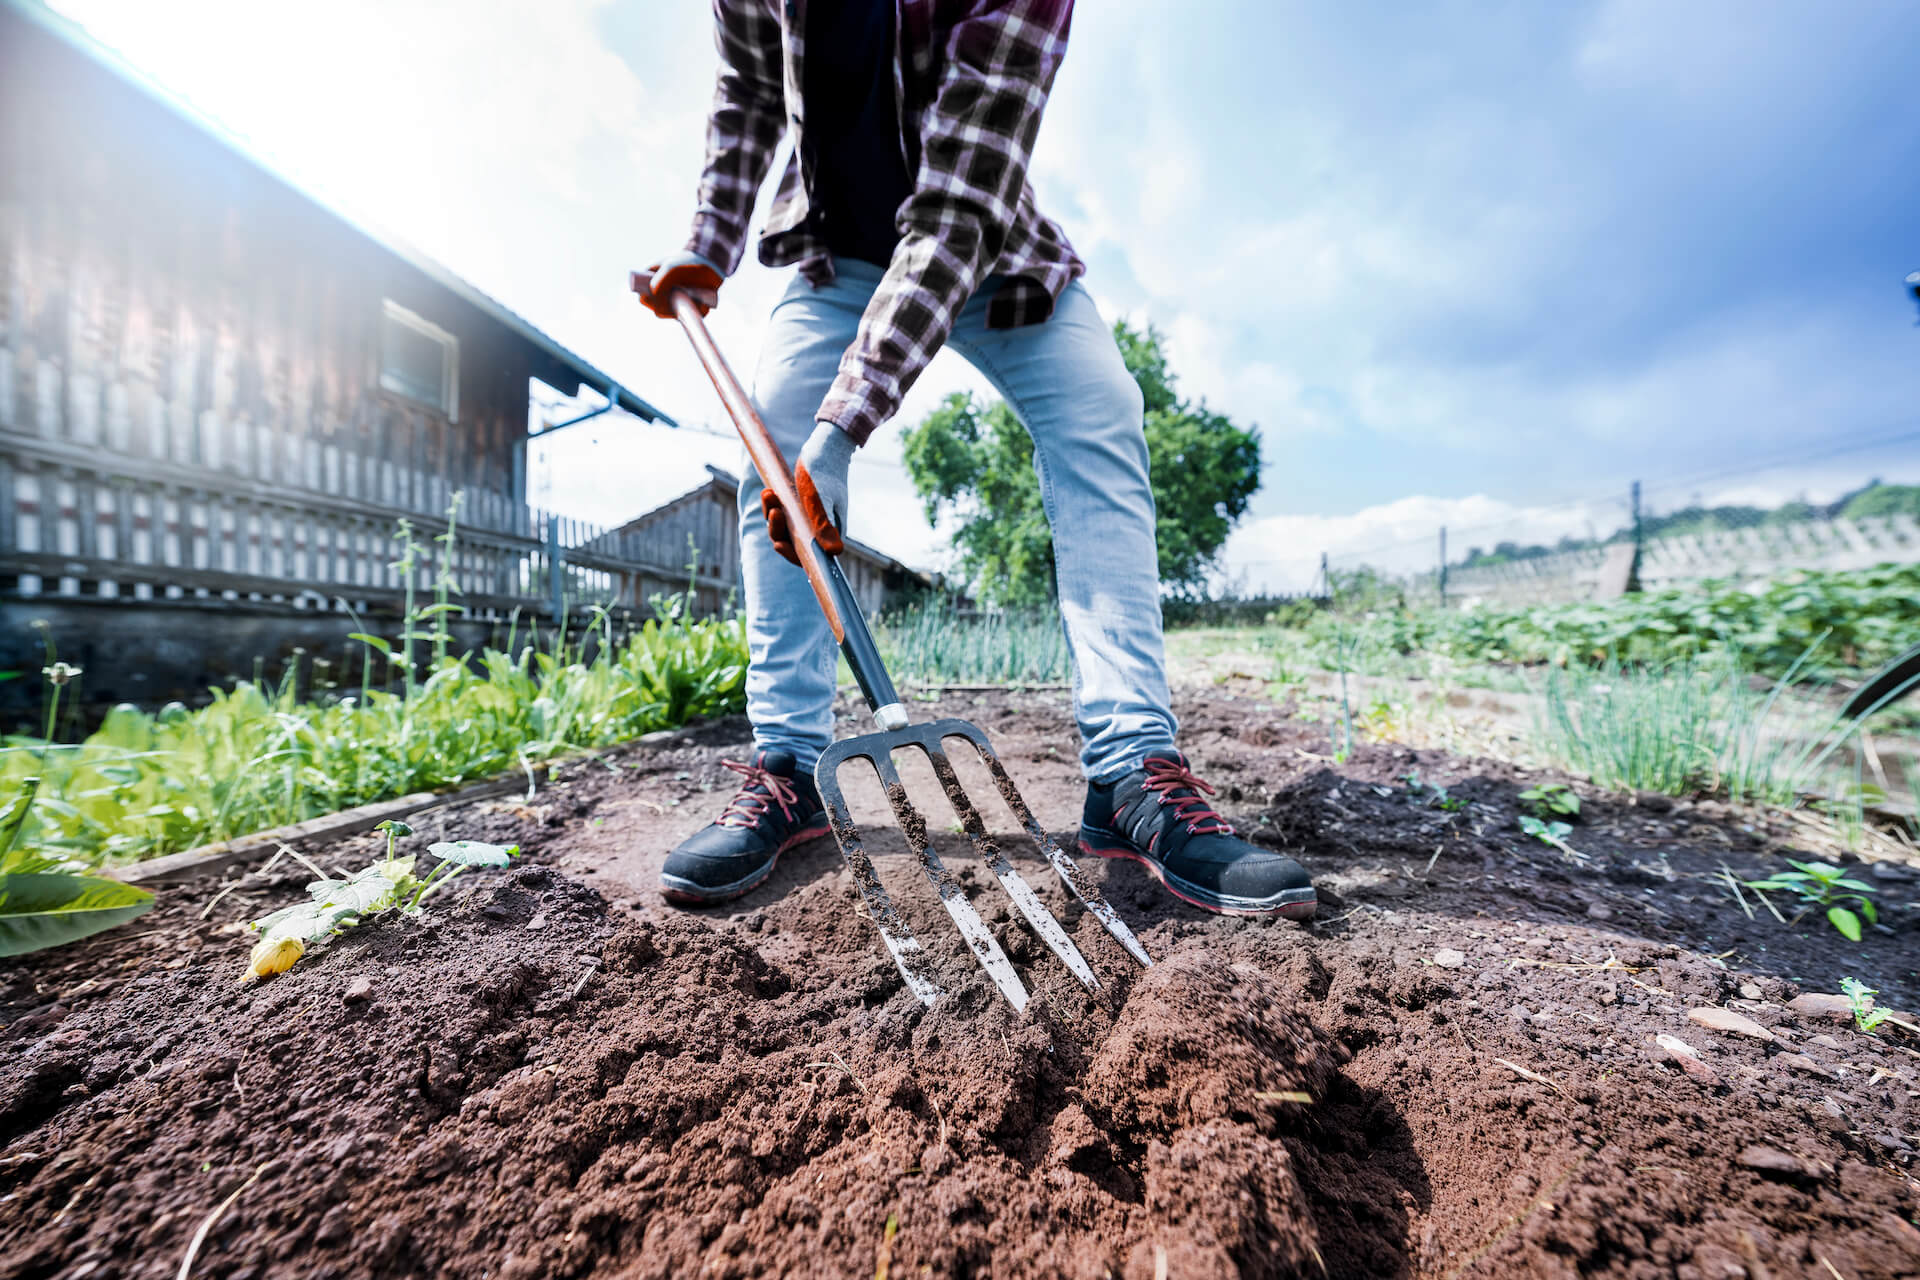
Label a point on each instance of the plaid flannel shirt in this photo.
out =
(971, 83)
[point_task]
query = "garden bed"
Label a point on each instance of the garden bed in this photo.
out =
(557, 1075)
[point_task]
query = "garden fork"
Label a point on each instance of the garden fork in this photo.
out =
(849, 627)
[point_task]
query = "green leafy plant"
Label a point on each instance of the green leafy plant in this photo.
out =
(334, 905)
(1823, 885)
(1545, 832)
(1551, 833)
(1383, 720)
(1869, 617)
(259, 756)
(1551, 799)
(1436, 795)
(49, 899)
(1865, 1016)
(47, 902)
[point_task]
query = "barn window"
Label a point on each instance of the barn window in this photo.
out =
(419, 360)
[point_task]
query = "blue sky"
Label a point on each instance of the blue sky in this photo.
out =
(1478, 265)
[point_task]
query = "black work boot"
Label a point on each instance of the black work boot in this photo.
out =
(1158, 815)
(774, 810)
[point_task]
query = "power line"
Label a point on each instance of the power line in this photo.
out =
(1857, 446)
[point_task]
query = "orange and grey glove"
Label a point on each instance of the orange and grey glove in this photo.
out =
(821, 478)
(689, 271)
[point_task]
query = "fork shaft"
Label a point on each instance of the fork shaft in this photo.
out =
(830, 586)
(862, 654)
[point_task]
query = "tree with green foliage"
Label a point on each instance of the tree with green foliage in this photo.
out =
(1883, 500)
(976, 461)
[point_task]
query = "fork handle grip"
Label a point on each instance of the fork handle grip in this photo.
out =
(830, 586)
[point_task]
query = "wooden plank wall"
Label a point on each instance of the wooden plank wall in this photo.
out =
(173, 428)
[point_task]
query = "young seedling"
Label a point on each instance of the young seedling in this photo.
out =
(1550, 800)
(1865, 1016)
(335, 905)
(1821, 884)
(1553, 833)
(1437, 797)
(455, 857)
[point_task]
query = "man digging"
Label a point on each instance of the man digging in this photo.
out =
(907, 208)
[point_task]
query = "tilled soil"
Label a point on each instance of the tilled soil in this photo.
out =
(1453, 1072)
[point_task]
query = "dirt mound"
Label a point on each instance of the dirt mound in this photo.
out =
(1456, 1072)
(693, 1107)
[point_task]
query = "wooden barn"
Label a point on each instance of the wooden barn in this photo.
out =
(700, 531)
(218, 395)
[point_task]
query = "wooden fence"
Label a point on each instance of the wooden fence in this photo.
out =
(315, 529)
(1757, 552)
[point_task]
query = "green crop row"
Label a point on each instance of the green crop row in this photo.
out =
(1859, 619)
(256, 757)
(933, 643)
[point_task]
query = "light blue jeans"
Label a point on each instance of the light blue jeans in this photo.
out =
(1066, 380)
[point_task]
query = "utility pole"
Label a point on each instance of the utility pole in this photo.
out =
(1326, 579)
(1443, 566)
(1913, 288)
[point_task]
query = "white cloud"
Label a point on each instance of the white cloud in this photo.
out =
(1509, 249)
(1280, 554)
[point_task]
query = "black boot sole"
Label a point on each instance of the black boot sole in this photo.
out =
(686, 893)
(1288, 904)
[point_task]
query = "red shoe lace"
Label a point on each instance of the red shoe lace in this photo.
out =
(1167, 776)
(749, 806)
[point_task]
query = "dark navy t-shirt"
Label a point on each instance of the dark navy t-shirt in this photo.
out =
(860, 177)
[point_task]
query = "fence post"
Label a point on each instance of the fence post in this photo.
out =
(1443, 566)
(556, 567)
(1639, 542)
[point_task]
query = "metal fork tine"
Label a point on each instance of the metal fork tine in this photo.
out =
(877, 749)
(1063, 866)
(894, 932)
(1050, 930)
(971, 926)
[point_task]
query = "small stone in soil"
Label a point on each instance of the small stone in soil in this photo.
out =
(1449, 958)
(1821, 1007)
(1775, 1163)
(1750, 992)
(1599, 911)
(1687, 1058)
(358, 990)
(1799, 1062)
(1715, 1019)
